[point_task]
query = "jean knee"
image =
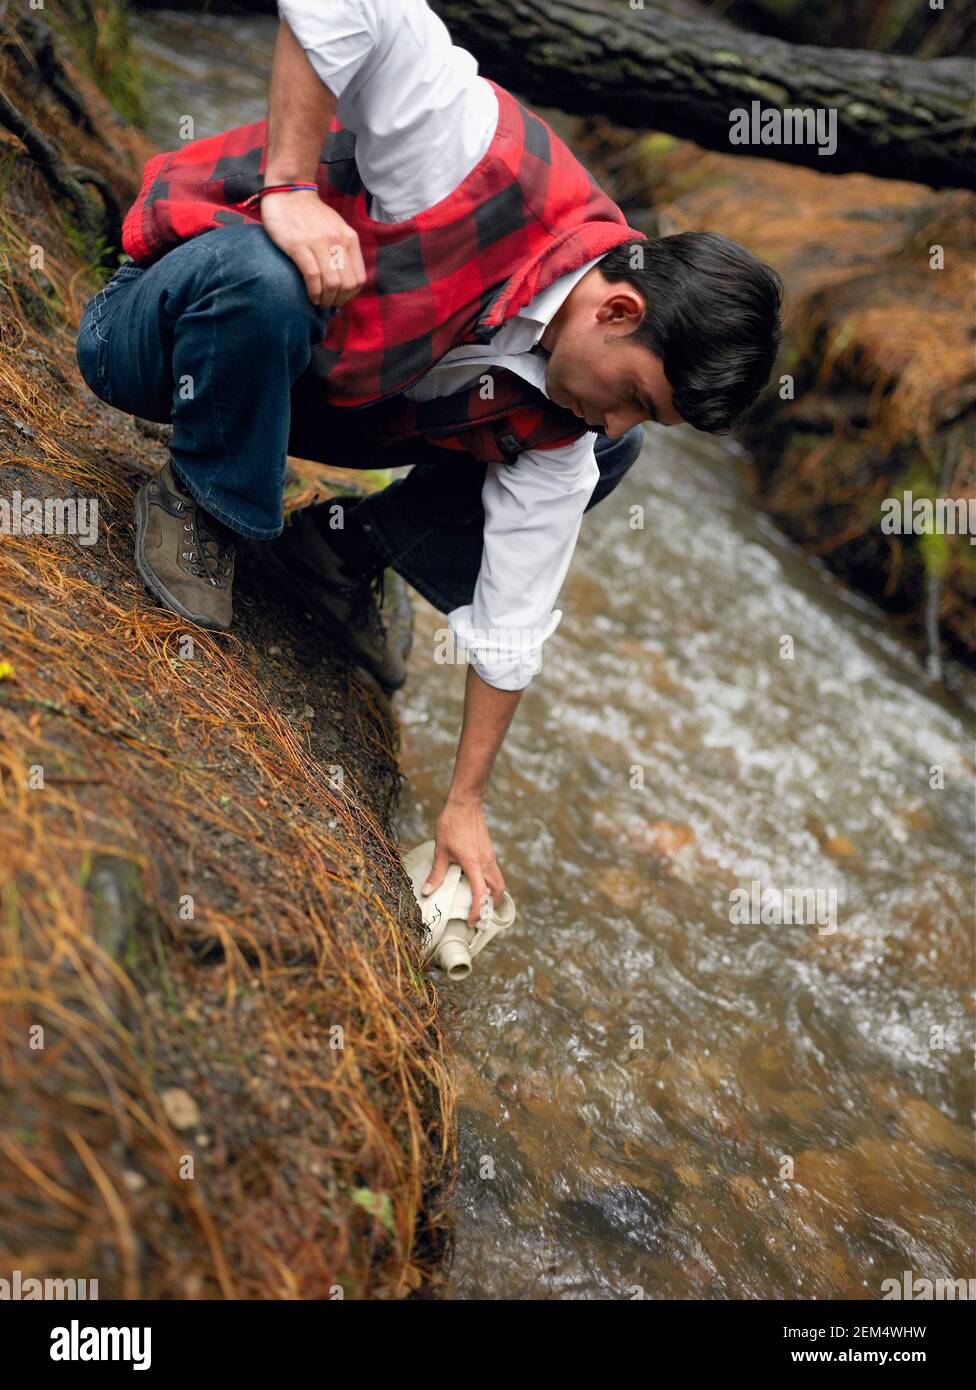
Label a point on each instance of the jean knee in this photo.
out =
(86, 355)
(614, 457)
(271, 281)
(617, 455)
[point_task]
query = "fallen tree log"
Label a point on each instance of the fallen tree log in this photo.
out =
(896, 117)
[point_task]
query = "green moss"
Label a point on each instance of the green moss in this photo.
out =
(375, 479)
(106, 52)
(934, 550)
(860, 111)
(790, 358)
(92, 251)
(656, 144)
(378, 1204)
(758, 87)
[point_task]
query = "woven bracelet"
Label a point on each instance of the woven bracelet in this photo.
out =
(278, 188)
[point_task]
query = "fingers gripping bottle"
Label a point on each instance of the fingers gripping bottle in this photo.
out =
(451, 943)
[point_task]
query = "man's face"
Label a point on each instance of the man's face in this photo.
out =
(596, 369)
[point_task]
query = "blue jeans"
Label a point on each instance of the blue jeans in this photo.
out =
(216, 338)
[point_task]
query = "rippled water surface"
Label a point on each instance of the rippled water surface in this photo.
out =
(213, 67)
(653, 1095)
(670, 1099)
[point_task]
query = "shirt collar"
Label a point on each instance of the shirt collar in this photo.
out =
(543, 308)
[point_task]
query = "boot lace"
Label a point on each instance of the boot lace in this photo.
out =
(210, 554)
(366, 603)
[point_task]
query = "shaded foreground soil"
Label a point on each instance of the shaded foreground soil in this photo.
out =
(220, 1066)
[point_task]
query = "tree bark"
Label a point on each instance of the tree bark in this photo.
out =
(897, 117)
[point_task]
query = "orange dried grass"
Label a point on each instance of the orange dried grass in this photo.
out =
(315, 1168)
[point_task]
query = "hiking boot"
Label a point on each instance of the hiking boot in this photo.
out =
(399, 612)
(184, 555)
(352, 607)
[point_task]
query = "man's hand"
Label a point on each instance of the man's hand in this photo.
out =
(323, 246)
(321, 243)
(461, 837)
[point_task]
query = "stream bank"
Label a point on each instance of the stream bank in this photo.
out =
(222, 1071)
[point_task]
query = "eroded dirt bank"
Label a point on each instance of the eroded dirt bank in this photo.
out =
(222, 1073)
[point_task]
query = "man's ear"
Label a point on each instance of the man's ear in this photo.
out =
(624, 308)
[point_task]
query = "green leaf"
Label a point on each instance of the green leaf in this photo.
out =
(378, 1204)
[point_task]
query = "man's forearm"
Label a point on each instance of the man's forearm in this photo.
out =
(301, 223)
(488, 712)
(300, 108)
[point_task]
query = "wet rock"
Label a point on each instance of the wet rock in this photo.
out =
(625, 890)
(617, 1214)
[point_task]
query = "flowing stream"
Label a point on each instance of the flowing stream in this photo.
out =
(664, 1092)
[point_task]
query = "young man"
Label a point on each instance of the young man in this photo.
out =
(435, 280)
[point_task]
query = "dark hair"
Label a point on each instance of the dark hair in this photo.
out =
(712, 318)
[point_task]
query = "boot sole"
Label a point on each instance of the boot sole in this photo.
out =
(140, 508)
(333, 625)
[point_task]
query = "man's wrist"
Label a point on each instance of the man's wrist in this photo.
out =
(465, 796)
(288, 181)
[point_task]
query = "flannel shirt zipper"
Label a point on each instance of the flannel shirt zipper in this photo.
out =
(444, 430)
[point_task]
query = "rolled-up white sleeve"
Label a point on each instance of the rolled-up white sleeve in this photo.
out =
(337, 36)
(422, 116)
(533, 511)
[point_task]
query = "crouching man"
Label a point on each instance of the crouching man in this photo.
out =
(405, 265)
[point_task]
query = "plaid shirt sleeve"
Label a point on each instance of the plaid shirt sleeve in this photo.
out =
(533, 511)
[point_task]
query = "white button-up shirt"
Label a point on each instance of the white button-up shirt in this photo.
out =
(423, 118)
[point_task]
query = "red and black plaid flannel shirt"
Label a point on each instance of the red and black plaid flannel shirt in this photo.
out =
(526, 214)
